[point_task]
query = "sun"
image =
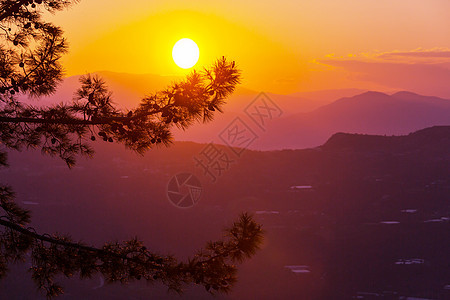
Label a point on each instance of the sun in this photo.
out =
(185, 53)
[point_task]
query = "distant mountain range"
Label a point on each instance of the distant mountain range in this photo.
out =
(367, 113)
(308, 118)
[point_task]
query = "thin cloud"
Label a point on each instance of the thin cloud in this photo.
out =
(436, 54)
(433, 56)
(422, 71)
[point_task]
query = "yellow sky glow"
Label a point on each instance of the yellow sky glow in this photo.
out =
(277, 44)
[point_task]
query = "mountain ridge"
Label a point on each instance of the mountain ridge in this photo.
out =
(436, 136)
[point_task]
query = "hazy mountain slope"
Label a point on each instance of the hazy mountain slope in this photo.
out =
(369, 113)
(337, 229)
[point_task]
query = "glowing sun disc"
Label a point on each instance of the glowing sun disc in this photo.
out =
(185, 53)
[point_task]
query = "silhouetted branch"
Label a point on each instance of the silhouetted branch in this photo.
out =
(130, 260)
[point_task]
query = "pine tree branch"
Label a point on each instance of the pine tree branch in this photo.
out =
(75, 121)
(10, 10)
(47, 238)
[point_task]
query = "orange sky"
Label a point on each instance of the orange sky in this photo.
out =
(282, 46)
